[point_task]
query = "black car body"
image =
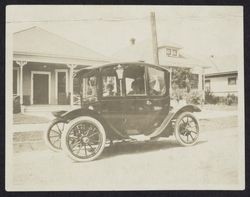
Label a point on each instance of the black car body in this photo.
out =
(128, 99)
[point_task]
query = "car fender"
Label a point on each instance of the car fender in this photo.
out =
(173, 114)
(70, 115)
(184, 108)
(58, 114)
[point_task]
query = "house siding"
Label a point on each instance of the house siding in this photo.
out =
(219, 85)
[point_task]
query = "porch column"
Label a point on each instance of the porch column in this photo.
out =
(203, 85)
(170, 81)
(71, 81)
(200, 80)
(21, 64)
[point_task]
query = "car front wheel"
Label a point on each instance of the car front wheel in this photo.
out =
(186, 129)
(84, 139)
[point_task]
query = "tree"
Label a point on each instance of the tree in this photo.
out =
(181, 78)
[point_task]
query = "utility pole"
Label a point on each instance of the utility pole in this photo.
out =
(154, 38)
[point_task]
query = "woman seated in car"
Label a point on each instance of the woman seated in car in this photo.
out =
(153, 83)
(137, 87)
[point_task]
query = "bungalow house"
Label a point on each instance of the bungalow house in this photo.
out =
(44, 65)
(221, 77)
(170, 55)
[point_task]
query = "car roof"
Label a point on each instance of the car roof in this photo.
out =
(88, 68)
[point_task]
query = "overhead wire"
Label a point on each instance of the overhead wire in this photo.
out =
(122, 19)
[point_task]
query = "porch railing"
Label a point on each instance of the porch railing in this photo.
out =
(15, 96)
(76, 99)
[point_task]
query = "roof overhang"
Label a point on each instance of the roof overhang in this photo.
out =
(55, 59)
(169, 46)
(221, 74)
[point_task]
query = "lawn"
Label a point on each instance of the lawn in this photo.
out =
(29, 119)
(220, 107)
(208, 125)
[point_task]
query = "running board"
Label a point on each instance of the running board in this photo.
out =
(139, 137)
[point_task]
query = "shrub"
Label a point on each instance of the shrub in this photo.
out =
(210, 98)
(227, 100)
(16, 105)
(231, 99)
(194, 97)
(178, 94)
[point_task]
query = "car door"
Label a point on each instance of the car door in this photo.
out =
(146, 111)
(157, 104)
(135, 93)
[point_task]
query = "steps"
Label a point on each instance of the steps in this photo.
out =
(47, 108)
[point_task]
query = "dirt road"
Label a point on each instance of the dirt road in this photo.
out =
(212, 163)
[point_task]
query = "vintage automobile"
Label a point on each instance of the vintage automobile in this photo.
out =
(120, 101)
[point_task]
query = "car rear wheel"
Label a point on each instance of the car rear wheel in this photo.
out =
(53, 135)
(84, 139)
(186, 129)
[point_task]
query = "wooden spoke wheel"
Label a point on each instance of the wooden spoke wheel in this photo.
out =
(53, 135)
(186, 129)
(84, 139)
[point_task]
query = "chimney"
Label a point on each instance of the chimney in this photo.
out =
(132, 41)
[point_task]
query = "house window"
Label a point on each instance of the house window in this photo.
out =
(232, 81)
(174, 52)
(194, 81)
(207, 85)
(168, 52)
(61, 83)
(76, 86)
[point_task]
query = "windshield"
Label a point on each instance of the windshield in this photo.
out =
(89, 92)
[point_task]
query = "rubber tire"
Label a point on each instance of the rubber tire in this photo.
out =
(176, 132)
(46, 134)
(71, 124)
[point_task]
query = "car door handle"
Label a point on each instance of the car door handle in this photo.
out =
(149, 102)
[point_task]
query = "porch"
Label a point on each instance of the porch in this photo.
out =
(44, 66)
(38, 109)
(45, 87)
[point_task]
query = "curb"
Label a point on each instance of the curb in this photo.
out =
(29, 127)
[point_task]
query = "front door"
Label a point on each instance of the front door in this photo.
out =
(40, 88)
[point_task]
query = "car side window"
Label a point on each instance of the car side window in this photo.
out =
(157, 84)
(89, 87)
(110, 85)
(135, 80)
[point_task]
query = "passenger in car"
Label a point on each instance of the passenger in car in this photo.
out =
(152, 90)
(134, 87)
(137, 87)
(109, 90)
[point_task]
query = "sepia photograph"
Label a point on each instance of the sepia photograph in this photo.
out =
(124, 98)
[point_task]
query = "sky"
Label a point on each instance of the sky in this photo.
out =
(200, 30)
